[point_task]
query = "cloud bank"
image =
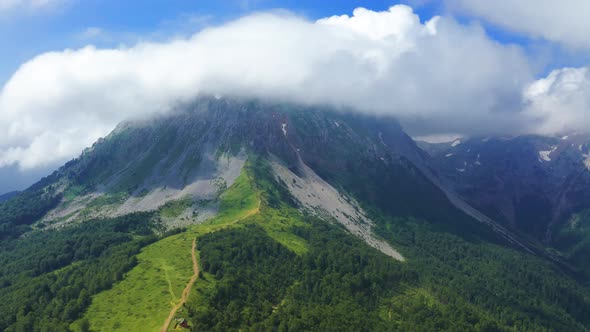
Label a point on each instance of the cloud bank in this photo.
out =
(438, 76)
(564, 21)
(561, 101)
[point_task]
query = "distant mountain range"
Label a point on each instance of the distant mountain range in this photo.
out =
(533, 184)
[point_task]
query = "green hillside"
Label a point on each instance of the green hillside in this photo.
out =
(266, 266)
(265, 262)
(573, 241)
(148, 292)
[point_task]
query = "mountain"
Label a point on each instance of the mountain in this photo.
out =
(244, 214)
(7, 196)
(534, 185)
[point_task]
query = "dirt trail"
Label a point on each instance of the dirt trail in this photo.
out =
(186, 290)
(189, 286)
(251, 212)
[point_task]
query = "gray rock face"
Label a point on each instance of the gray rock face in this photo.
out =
(316, 196)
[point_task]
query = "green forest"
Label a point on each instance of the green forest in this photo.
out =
(453, 280)
(47, 278)
(341, 284)
(282, 270)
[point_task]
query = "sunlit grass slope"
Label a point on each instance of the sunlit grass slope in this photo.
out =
(144, 298)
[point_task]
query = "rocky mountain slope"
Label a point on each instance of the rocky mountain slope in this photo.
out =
(533, 184)
(300, 218)
(188, 158)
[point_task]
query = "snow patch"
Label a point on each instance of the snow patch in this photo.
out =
(449, 155)
(284, 128)
(381, 138)
(337, 124)
(462, 170)
(456, 142)
(477, 162)
(565, 137)
(586, 160)
(435, 139)
(546, 155)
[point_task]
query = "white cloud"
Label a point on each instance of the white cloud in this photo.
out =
(564, 21)
(439, 77)
(92, 33)
(10, 5)
(560, 102)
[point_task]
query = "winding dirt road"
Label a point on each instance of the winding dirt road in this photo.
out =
(186, 290)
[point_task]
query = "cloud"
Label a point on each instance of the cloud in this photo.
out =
(439, 77)
(564, 21)
(91, 33)
(29, 5)
(560, 102)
